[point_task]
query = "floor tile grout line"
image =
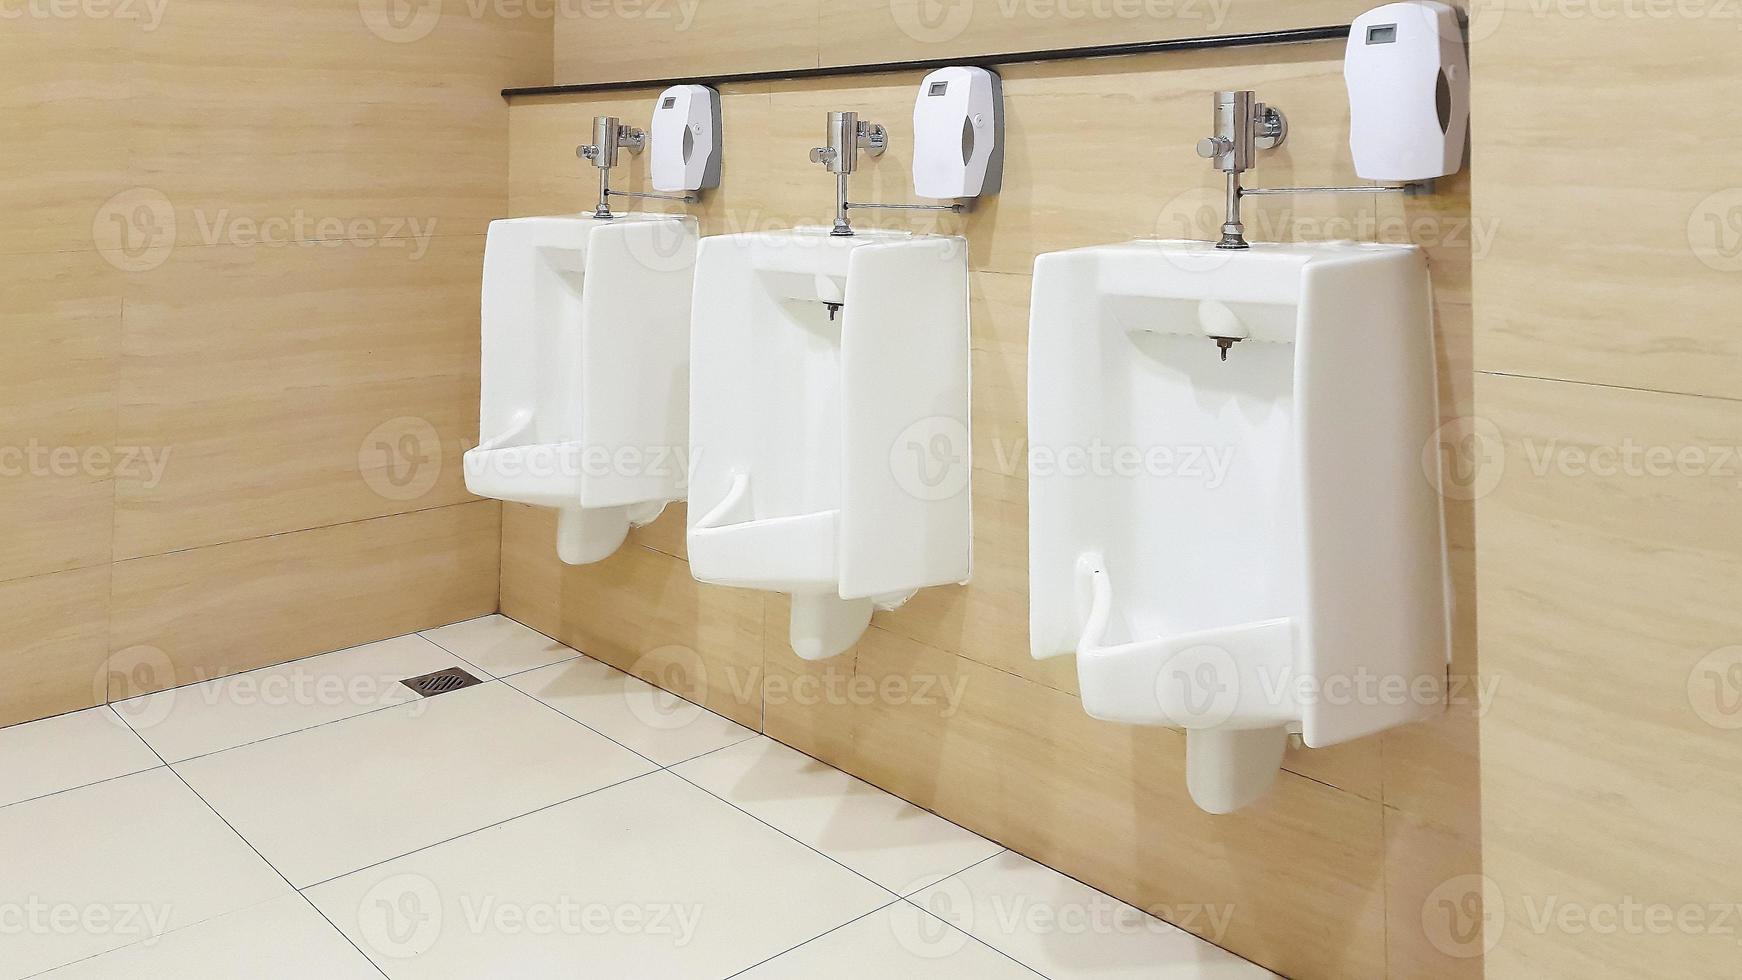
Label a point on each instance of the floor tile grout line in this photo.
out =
(342, 935)
(651, 772)
(1002, 850)
(228, 825)
(424, 635)
(463, 661)
(801, 843)
(535, 699)
(925, 911)
(332, 721)
(74, 789)
(208, 804)
(282, 663)
(896, 897)
(478, 830)
(620, 670)
(971, 937)
(114, 717)
(821, 935)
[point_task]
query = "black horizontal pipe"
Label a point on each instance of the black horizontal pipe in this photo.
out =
(1305, 34)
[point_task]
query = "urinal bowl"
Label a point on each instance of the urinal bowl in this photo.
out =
(1247, 541)
(815, 356)
(585, 372)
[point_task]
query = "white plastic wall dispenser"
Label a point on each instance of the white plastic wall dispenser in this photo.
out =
(585, 399)
(829, 427)
(1408, 72)
(958, 134)
(1243, 548)
(686, 139)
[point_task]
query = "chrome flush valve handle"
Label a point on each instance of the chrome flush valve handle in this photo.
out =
(1211, 147)
(824, 155)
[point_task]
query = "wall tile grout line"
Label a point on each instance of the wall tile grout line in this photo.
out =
(302, 530)
(1521, 376)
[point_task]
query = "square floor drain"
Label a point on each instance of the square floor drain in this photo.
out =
(441, 682)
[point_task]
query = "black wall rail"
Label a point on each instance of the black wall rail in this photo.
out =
(1300, 36)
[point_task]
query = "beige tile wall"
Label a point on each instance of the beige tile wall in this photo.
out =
(1609, 352)
(1338, 872)
(242, 245)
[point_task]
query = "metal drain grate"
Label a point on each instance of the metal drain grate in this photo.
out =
(441, 682)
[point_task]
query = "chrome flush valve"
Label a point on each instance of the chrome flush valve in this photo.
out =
(609, 135)
(847, 135)
(1243, 127)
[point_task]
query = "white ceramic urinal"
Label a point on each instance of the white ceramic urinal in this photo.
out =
(1245, 548)
(829, 435)
(585, 401)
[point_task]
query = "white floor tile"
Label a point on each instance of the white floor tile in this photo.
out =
(653, 878)
(900, 941)
(103, 866)
(500, 645)
(331, 800)
(221, 714)
(1069, 931)
(56, 754)
(881, 836)
(659, 725)
(284, 939)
